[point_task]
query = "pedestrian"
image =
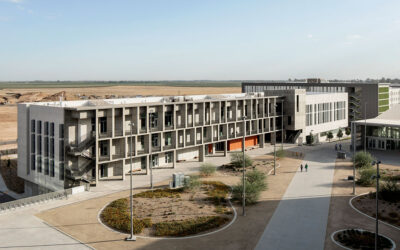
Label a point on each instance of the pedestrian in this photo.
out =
(340, 147)
(336, 147)
(306, 167)
(301, 167)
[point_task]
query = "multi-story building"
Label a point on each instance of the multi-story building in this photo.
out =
(394, 95)
(61, 144)
(365, 100)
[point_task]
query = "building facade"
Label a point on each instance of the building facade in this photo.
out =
(61, 144)
(365, 100)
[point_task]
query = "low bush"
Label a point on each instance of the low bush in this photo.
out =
(192, 184)
(189, 227)
(237, 160)
(257, 178)
(390, 191)
(160, 193)
(363, 160)
(217, 191)
(207, 169)
(366, 174)
(252, 193)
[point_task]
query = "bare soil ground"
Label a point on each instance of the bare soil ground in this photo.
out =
(342, 216)
(8, 113)
(80, 219)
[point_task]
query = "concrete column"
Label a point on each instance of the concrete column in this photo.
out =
(148, 164)
(97, 145)
(123, 121)
(112, 122)
(262, 140)
(201, 153)
(174, 159)
(225, 148)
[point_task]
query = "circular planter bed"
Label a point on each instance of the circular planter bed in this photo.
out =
(172, 212)
(360, 239)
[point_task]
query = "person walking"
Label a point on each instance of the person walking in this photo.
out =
(336, 147)
(301, 167)
(306, 167)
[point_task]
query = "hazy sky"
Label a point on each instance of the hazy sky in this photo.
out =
(202, 39)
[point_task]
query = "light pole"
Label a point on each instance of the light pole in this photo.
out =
(131, 237)
(282, 126)
(377, 177)
(353, 137)
(150, 156)
(275, 142)
(365, 127)
(244, 167)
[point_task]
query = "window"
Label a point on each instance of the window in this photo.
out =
(143, 120)
(297, 103)
(168, 119)
(61, 150)
(61, 172)
(154, 160)
(39, 163)
(168, 139)
(39, 127)
(168, 157)
(204, 132)
(33, 162)
(46, 146)
(154, 140)
(46, 166)
(46, 128)
(33, 126)
(92, 123)
(61, 134)
(143, 163)
(52, 129)
(33, 144)
(103, 124)
(52, 148)
(103, 149)
(153, 120)
(52, 168)
(289, 121)
(39, 144)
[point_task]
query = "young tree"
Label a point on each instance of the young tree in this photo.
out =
(363, 160)
(330, 136)
(348, 131)
(340, 133)
(237, 160)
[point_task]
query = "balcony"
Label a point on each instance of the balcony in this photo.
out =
(168, 147)
(155, 148)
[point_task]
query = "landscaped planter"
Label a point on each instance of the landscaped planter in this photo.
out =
(360, 239)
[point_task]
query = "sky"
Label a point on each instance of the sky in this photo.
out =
(198, 40)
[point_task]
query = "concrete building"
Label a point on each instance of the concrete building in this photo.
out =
(365, 100)
(394, 95)
(382, 132)
(62, 144)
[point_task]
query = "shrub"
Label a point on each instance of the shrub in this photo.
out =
(339, 133)
(363, 159)
(257, 178)
(160, 193)
(252, 193)
(330, 135)
(347, 131)
(207, 169)
(237, 160)
(280, 153)
(217, 191)
(366, 174)
(192, 184)
(390, 191)
(188, 227)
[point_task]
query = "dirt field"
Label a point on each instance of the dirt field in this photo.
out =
(243, 234)
(8, 113)
(342, 216)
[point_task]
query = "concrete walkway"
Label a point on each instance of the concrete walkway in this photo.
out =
(300, 220)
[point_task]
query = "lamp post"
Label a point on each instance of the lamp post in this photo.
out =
(377, 177)
(282, 126)
(131, 237)
(150, 156)
(365, 127)
(353, 137)
(244, 167)
(275, 143)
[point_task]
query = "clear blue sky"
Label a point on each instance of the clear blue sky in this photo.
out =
(192, 40)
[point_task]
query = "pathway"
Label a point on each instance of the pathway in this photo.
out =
(301, 218)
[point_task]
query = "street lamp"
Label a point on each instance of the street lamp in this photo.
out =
(275, 144)
(353, 137)
(131, 237)
(282, 126)
(365, 127)
(244, 167)
(377, 177)
(150, 149)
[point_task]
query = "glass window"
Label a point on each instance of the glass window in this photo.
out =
(33, 123)
(62, 175)
(52, 129)
(39, 127)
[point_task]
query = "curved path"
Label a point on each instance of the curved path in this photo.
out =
(300, 220)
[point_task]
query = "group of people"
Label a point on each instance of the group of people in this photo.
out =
(305, 167)
(336, 147)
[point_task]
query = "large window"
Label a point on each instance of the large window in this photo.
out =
(168, 139)
(168, 118)
(153, 120)
(309, 112)
(340, 110)
(103, 124)
(168, 157)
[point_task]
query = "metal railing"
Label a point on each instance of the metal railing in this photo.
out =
(35, 199)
